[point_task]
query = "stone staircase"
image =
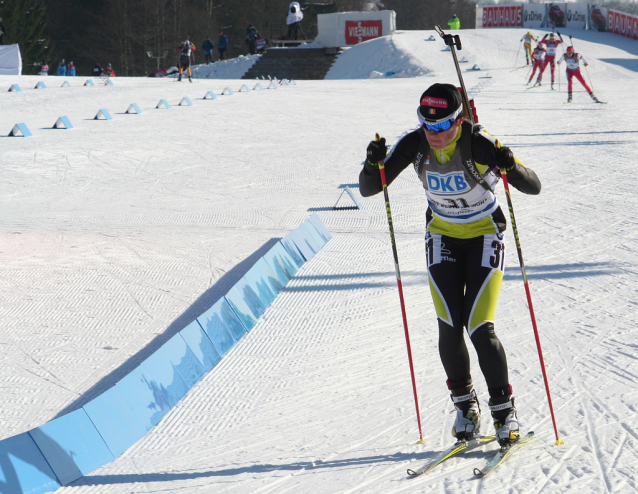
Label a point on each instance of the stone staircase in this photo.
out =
(293, 63)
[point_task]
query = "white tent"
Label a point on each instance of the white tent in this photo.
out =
(10, 60)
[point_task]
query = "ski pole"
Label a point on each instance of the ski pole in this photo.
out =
(452, 41)
(519, 50)
(399, 285)
(590, 83)
(529, 300)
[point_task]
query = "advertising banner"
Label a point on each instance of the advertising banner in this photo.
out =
(502, 16)
(533, 15)
(623, 24)
(351, 28)
(555, 15)
(597, 18)
(576, 15)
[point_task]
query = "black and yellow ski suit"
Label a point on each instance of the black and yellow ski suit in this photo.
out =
(464, 242)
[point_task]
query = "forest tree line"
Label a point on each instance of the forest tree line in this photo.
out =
(124, 32)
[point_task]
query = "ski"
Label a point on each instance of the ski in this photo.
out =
(503, 454)
(453, 450)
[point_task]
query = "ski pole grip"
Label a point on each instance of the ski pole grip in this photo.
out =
(457, 41)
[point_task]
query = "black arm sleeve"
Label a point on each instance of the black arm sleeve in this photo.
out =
(402, 155)
(521, 177)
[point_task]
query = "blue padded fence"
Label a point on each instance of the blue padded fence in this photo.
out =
(71, 446)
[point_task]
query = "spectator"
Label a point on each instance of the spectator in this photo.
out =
(96, 71)
(61, 68)
(108, 71)
(222, 44)
(251, 38)
(454, 22)
(208, 46)
(185, 51)
(3, 31)
(44, 68)
(70, 69)
(295, 15)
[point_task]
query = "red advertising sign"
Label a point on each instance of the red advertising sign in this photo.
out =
(623, 24)
(360, 31)
(503, 16)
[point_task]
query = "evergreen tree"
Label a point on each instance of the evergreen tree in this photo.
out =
(25, 21)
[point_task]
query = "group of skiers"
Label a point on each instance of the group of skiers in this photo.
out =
(63, 69)
(545, 54)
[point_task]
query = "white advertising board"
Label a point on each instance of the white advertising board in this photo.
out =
(597, 17)
(351, 28)
(10, 60)
(576, 15)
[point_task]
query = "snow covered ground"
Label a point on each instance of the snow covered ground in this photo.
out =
(116, 234)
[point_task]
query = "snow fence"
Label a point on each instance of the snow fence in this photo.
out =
(71, 446)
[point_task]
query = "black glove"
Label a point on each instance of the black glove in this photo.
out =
(545, 36)
(504, 158)
(376, 151)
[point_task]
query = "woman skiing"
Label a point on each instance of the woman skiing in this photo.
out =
(459, 165)
(572, 60)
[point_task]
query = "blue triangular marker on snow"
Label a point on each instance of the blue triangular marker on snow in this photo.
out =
(210, 95)
(89, 82)
(133, 108)
(228, 90)
(163, 104)
(244, 87)
(20, 130)
(14, 87)
(40, 85)
(258, 85)
(63, 123)
(185, 101)
(103, 113)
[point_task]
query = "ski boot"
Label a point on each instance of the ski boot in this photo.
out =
(529, 82)
(190, 80)
(552, 86)
(505, 419)
(537, 83)
(468, 413)
(569, 97)
(596, 100)
(179, 79)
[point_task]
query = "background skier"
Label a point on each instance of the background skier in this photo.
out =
(552, 45)
(464, 245)
(527, 45)
(539, 63)
(108, 71)
(572, 60)
(186, 48)
(70, 69)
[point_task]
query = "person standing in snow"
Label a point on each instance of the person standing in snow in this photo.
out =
(222, 44)
(186, 48)
(70, 69)
(208, 46)
(465, 249)
(251, 38)
(61, 68)
(552, 45)
(295, 15)
(96, 71)
(454, 22)
(108, 71)
(539, 62)
(44, 68)
(572, 60)
(527, 45)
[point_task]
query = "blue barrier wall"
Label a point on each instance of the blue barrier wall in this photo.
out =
(69, 447)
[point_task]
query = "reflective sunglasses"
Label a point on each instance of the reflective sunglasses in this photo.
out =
(441, 126)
